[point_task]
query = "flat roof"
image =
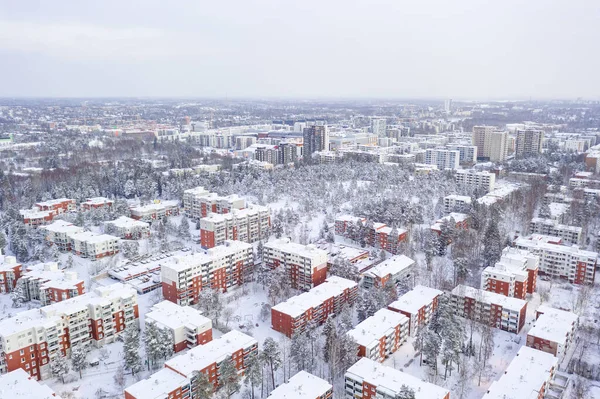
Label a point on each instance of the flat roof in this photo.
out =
(374, 327)
(89, 237)
(60, 226)
(390, 380)
(573, 250)
(393, 265)
(553, 324)
(488, 297)
(18, 384)
(158, 386)
(300, 386)
(286, 245)
(415, 299)
(174, 316)
(524, 377)
(183, 262)
(126, 222)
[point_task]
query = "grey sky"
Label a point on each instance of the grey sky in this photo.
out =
(301, 48)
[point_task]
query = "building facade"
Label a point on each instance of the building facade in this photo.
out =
(155, 211)
(127, 228)
(482, 180)
(46, 283)
(251, 224)
(95, 246)
(528, 142)
(515, 275)
(316, 139)
(10, 272)
(380, 335)
(395, 269)
(491, 143)
(418, 305)
(553, 331)
(198, 203)
(551, 227)
(442, 158)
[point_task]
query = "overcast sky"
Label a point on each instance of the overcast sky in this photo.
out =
(461, 49)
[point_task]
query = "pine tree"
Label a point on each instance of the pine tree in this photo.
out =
(18, 295)
(271, 355)
(330, 333)
(277, 228)
(3, 242)
(253, 371)
(406, 393)
(184, 229)
(59, 366)
(348, 353)
(69, 264)
(79, 358)
(131, 347)
(201, 386)
(152, 343)
(492, 243)
(198, 224)
(229, 379)
(300, 351)
(167, 345)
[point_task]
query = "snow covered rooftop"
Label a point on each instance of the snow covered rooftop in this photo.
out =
(553, 325)
(297, 305)
(456, 197)
(524, 377)
(287, 246)
(200, 357)
(60, 226)
(127, 223)
(368, 332)
(158, 386)
(158, 206)
(302, 385)
(52, 276)
(25, 320)
(553, 223)
(19, 385)
(390, 380)
(97, 201)
(52, 202)
(235, 213)
(35, 214)
(392, 266)
(8, 263)
(92, 238)
(173, 316)
(563, 249)
(416, 299)
(184, 262)
(197, 191)
(349, 218)
(488, 297)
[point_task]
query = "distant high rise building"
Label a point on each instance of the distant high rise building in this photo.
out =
(442, 158)
(529, 142)
(448, 105)
(491, 143)
(378, 126)
(316, 138)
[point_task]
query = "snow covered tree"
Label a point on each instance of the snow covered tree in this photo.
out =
(130, 249)
(229, 379)
(184, 229)
(201, 386)
(431, 349)
(79, 358)
(253, 372)
(492, 243)
(59, 366)
(406, 393)
(342, 267)
(69, 263)
(152, 343)
(18, 295)
(3, 242)
(348, 353)
(277, 227)
(300, 351)
(271, 355)
(544, 211)
(198, 224)
(431, 248)
(131, 348)
(167, 345)
(368, 303)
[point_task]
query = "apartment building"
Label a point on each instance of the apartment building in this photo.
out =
(32, 338)
(528, 142)
(378, 235)
(96, 203)
(380, 335)
(46, 283)
(158, 210)
(515, 275)
(472, 180)
(368, 379)
(460, 221)
(127, 228)
(553, 330)
(527, 376)
(187, 326)
(551, 227)
(442, 158)
(95, 246)
(491, 143)
(456, 203)
(315, 305)
(499, 311)
(251, 224)
(395, 269)
(18, 384)
(303, 385)
(10, 272)
(306, 265)
(417, 305)
(58, 233)
(222, 267)
(315, 139)
(467, 153)
(35, 218)
(198, 203)
(343, 223)
(59, 206)
(570, 263)
(176, 380)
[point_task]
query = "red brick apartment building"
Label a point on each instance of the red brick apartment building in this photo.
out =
(380, 335)
(127, 228)
(553, 330)
(394, 269)
(223, 267)
(198, 203)
(95, 318)
(35, 218)
(251, 224)
(369, 379)
(515, 275)
(46, 283)
(499, 311)
(175, 380)
(303, 385)
(10, 272)
(155, 211)
(527, 376)
(418, 305)
(96, 203)
(19, 384)
(317, 304)
(186, 325)
(378, 235)
(461, 221)
(305, 264)
(59, 206)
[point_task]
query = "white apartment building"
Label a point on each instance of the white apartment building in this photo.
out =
(456, 203)
(370, 379)
(95, 203)
(127, 228)
(491, 143)
(46, 283)
(528, 142)
(95, 246)
(378, 126)
(187, 326)
(442, 158)
(19, 384)
(471, 179)
(551, 227)
(251, 224)
(198, 203)
(571, 263)
(306, 264)
(380, 335)
(158, 210)
(467, 153)
(58, 234)
(221, 267)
